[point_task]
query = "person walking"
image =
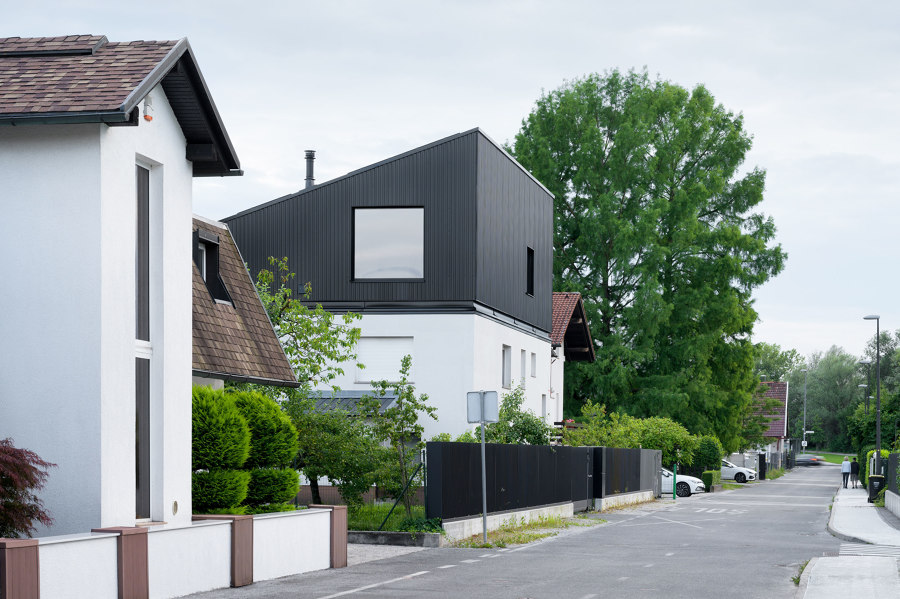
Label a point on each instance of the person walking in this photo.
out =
(854, 473)
(845, 470)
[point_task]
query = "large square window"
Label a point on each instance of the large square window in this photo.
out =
(388, 243)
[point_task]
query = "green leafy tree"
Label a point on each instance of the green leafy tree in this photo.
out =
(515, 425)
(399, 426)
(709, 454)
(655, 225)
(771, 363)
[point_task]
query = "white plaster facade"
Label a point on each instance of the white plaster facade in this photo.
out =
(67, 328)
(453, 354)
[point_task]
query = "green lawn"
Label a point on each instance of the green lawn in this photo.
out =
(370, 517)
(834, 458)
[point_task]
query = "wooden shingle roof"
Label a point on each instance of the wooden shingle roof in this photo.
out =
(778, 421)
(234, 341)
(88, 79)
(570, 327)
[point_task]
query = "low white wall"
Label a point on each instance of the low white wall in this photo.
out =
(79, 565)
(614, 501)
(892, 502)
(190, 559)
(290, 543)
(462, 529)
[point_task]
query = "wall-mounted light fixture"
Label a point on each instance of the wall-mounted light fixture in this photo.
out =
(148, 109)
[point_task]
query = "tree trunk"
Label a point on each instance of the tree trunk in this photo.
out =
(314, 489)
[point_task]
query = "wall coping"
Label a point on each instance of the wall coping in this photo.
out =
(294, 514)
(76, 537)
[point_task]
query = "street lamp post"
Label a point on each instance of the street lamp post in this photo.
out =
(805, 372)
(868, 364)
(865, 389)
(877, 320)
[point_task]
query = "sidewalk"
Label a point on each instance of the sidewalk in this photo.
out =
(856, 520)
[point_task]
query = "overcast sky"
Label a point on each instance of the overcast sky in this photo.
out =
(817, 82)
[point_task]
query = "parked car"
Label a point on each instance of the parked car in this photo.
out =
(808, 459)
(685, 485)
(738, 473)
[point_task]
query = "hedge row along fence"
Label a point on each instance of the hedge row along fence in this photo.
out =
(243, 445)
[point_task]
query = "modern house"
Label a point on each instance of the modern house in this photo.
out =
(571, 341)
(445, 250)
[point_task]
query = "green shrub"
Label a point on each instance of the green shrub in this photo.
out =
(711, 477)
(864, 467)
(218, 488)
(272, 485)
(709, 454)
(273, 439)
(220, 435)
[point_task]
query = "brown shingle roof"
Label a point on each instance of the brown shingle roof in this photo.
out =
(777, 425)
(71, 74)
(570, 327)
(234, 342)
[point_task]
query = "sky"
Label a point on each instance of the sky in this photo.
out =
(818, 84)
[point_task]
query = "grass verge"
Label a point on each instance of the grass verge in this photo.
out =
(835, 458)
(774, 473)
(520, 532)
(729, 486)
(370, 517)
(796, 578)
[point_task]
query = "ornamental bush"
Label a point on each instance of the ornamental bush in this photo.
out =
(272, 485)
(220, 490)
(709, 453)
(864, 467)
(22, 472)
(273, 439)
(220, 435)
(711, 477)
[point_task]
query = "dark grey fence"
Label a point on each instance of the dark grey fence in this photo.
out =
(892, 470)
(525, 476)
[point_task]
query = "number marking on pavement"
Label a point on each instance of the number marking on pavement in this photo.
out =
(377, 584)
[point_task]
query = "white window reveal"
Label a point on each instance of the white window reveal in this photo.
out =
(522, 357)
(389, 243)
(507, 366)
(543, 406)
(533, 365)
(381, 357)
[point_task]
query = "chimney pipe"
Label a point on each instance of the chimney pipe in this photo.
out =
(310, 157)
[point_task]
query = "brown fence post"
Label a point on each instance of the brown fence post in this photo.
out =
(241, 546)
(20, 572)
(338, 534)
(131, 549)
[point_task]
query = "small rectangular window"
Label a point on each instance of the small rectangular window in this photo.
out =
(523, 356)
(507, 367)
(530, 272)
(388, 243)
(533, 365)
(543, 406)
(206, 257)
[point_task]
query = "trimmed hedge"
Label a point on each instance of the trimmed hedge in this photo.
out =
(273, 438)
(710, 478)
(220, 435)
(219, 488)
(272, 485)
(864, 467)
(709, 454)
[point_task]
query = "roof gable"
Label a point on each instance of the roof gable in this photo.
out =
(778, 422)
(87, 79)
(570, 327)
(234, 341)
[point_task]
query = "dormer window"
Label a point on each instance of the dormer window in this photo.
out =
(206, 256)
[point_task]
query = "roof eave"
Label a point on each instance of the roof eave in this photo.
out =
(241, 378)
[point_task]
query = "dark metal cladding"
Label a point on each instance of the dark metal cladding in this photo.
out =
(482, 212)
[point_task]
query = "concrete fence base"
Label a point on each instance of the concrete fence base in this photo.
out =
(892, 502)
(462, 528)
(623, 499)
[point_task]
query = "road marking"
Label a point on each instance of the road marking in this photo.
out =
(485, 555)
(470, 561)
(825, 502)
(589, 596)
(835, 484)
(447, 566)
(622, 578)
(372, 586)
(669, 554)
(495, 555)
(677, 522)
(648, 565)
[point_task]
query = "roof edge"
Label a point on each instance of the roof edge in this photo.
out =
(238, 378)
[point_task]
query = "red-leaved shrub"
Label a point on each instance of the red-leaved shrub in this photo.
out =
(22, 472)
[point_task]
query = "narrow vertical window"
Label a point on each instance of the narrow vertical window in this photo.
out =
(530, 272)
(533, 365)
(142, 437)
(507, 367)
(522, 357)
(544, 407)
(142, 257)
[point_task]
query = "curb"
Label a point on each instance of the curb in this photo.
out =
(800, 592)
(836, 533)
(402, 539)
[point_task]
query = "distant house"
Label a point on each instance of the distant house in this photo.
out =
(446, 251)
(233, 337)
(99, 143)
(571, 340)
(777, 432)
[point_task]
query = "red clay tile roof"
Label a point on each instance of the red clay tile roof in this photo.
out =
(235, 342)
(71, 74)
(778, 424)
(570, 327)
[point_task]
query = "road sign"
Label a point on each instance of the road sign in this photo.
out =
(802, 443)
(483, 406)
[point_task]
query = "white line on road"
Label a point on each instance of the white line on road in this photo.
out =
(833, 485)
(648, 565)
(470, 561)
(372, 586)
(589, 596)
(669, 554)
(677, 522)
(485, 555)
(622, 578)
(447, 566)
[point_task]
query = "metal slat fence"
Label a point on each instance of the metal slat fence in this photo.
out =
(893, 470)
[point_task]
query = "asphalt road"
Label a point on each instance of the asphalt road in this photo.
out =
(744, 543)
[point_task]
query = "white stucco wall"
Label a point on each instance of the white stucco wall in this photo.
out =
(291, 543)
(67, 344)
(79, 566)
(188, 560)
(456, 353)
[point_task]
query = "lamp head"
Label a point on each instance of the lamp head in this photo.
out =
(872, 317)
(865, 362)
(863, 386)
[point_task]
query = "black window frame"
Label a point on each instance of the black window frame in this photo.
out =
(214, 283)
(353, 277)
(529, 271)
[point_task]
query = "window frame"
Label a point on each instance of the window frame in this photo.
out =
(353, 246)
(529, 271)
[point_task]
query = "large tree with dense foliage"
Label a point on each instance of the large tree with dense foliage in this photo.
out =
(654, 224)
(774, 364)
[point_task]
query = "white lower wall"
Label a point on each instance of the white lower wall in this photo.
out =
(892, 502)
(79, 566)
(189, 560)
(291, 543)
(457, 353)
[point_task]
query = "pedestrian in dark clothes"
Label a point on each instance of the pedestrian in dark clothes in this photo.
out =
(845, 470)
(854, 473)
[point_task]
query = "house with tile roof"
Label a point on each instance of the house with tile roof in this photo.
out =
(99, 143)
(777, 432)
(445, 250)
(571, 342)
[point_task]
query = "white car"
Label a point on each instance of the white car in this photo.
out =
(685, 485)
(738, 473)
